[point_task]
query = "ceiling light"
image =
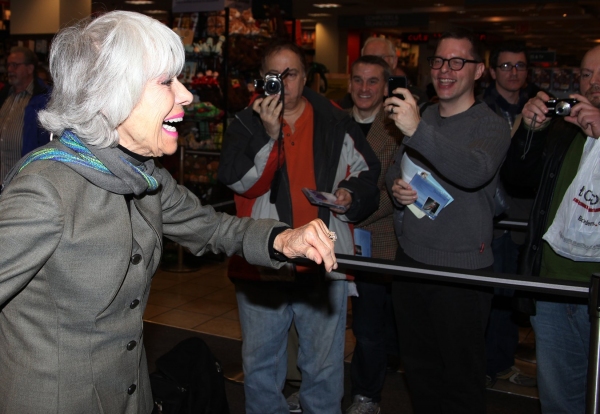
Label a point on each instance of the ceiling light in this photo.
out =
(139, 2)
(461, 11)
(319, 14)
(565, 15)
(155, 11)
(327, 5)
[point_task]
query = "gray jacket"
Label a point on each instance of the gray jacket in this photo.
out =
(75, 273)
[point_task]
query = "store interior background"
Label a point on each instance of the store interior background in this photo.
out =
(194, 295)
(567, 27)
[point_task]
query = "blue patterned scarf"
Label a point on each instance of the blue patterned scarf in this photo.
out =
(108, 168)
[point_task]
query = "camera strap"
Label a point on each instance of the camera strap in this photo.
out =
(277, 176)
(529, 137)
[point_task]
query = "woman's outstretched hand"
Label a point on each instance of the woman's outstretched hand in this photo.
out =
(313, 241)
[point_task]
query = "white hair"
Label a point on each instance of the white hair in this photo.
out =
(100, 68)
(390, 45)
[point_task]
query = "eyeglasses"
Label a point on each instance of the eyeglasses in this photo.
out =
(13, 65)
(436, 62)
(507, 67)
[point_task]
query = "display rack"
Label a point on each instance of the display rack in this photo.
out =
(215, 193)
(223, 52)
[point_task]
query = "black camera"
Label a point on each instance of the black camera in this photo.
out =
(560, 107)
(271, 84)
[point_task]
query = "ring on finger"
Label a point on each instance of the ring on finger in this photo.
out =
(332, 235)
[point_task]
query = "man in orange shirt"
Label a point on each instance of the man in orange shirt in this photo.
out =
(273, 149)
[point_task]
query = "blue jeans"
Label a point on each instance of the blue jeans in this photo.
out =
(319, 312)
(562, 338)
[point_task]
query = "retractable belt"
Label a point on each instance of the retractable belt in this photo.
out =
(523, 283)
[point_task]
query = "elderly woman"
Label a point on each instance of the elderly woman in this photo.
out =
(82, 220)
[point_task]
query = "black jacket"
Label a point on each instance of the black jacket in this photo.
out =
(537, 174)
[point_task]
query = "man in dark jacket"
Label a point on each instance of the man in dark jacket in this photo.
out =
(276, 147)
(509, 91)
(20, 103)
(507, 96)
(543, 158)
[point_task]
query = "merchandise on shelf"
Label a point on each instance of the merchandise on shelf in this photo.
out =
(201, 169)
(203, 111)
(240, 22)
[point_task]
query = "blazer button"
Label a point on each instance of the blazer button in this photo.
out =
(131, 345)
(131, 389)
(134, 303)
(136, 258)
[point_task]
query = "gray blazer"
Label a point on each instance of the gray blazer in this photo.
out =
(75, 273)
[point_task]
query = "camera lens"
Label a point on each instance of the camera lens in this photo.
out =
(272, 86)
(563, 108)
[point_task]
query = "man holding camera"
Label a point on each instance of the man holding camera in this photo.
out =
(543, 158)
(506, 96)
(281, 144)
(372, 317)
(462, 143)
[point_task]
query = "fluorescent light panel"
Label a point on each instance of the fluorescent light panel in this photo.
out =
(327, 5)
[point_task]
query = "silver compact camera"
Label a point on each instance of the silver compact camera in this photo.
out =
(561, 107)
(271, 84)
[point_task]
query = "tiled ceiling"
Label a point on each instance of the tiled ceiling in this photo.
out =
(567, 27)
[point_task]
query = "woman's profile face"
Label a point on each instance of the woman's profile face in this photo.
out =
(149, 130)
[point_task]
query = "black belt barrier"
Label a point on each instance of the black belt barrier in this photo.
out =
(523, 283)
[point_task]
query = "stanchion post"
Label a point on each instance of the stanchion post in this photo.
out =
(592, 392)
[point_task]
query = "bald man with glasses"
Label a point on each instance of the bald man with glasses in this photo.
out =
(461, 143)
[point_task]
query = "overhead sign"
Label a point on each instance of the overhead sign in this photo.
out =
(542, 56)
(192, 6)
(425, 37)
(383, 21)
(419, 37)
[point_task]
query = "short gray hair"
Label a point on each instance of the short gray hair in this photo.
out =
(100, 68)
(388, 43)
(28, 54)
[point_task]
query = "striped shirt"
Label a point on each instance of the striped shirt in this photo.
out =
(11, 129)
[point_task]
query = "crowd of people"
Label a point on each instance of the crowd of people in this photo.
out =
(82, 218)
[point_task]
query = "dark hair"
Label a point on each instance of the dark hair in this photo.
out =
(30, 57)
(476, 45)
(512, 46)
(374, 60)
(277, 47)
